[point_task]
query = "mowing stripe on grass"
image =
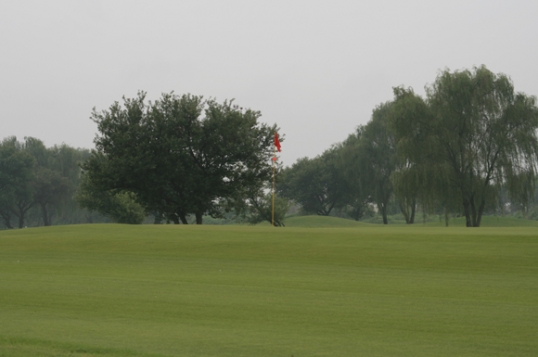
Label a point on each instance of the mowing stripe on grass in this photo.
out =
(255, 291)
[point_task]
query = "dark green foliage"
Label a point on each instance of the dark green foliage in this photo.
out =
(50, 189)
(330, 183)
(357, 196)
(470, 148)
(316, 184)
(119, 206)
(37, 184)
(376, 158)
(177, 161)
(259, 209)
(16, 174)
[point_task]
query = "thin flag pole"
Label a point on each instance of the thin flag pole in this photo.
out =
(273, 199)
(275, 148)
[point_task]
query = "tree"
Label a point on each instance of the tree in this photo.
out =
(337, 179)
(301, 183)
(476, 133)
(119, 206)
(377, 158)
(16, 169)
(316, 184)
(39, 189)
(50, 189)
(64, 161)
(20, 196)
(418, 178)
(259, 208)
(358, 198)
(175, 160)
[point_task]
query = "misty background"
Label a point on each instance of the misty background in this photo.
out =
(316, 68)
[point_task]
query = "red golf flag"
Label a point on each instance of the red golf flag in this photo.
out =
(277, 142)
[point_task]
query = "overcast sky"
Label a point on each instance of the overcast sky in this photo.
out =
(316, 68)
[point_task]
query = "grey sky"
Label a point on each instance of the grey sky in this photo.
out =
(316, 68)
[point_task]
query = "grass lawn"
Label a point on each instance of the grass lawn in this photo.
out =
(321, 222)
(489, 221)
(120, 290)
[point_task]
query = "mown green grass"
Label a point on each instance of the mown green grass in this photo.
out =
(489, 221)
(315, 221)
(117, 290)
(322, 222)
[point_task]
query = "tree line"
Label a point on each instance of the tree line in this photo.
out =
(38, 184)
(468, 147)
(172, 159)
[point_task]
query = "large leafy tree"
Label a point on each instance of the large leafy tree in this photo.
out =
(475, 133)
(180, 155)
(421, 175)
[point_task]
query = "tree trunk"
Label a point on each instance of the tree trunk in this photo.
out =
(413, 210)
(480, 213)
(446, 216)
(384, 213)
(404, 211)
(183, 218)
(157, 218)
(358, 214)
(198, 217)
(474, 213)
(467, 213)
(408, 211)
(7, 220)
(21, 208)
(46, 218)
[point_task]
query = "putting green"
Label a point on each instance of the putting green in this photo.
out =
(119, 290)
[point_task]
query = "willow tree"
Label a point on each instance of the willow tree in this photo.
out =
(377, 159)
(474, 133)
(421, 176)
(348, 163)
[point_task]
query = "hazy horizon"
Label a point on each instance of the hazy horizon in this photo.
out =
(316, 68)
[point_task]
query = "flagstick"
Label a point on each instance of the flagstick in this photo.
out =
(273, 204)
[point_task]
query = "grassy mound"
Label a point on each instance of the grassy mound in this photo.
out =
(321, 222)
(119, 290)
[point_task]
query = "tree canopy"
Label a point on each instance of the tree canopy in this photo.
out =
(468, 147)
(180, 155)
(37, 181)
(473, 134)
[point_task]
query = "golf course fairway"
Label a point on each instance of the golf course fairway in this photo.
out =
(165, 290)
